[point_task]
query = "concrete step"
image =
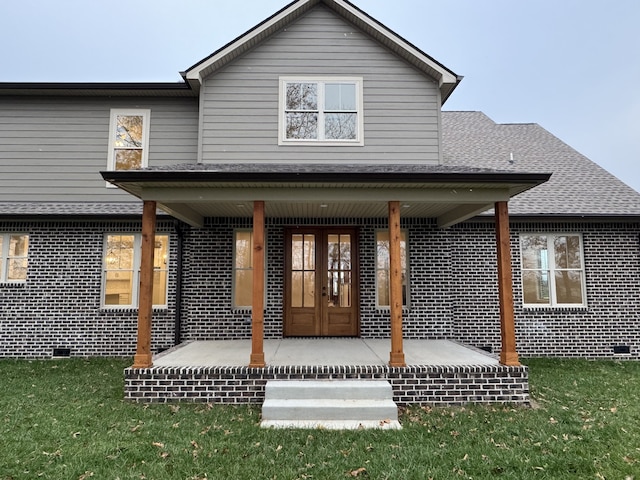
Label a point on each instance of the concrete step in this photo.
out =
(344, 404)
(339, 389)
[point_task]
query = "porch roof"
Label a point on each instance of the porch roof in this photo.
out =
(450, 194)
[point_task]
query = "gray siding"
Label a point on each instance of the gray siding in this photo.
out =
(52, 149)
(240, 102)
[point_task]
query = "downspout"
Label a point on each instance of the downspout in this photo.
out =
(178, 312)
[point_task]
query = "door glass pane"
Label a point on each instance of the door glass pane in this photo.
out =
(309, 252)
(296, 289)
(339, 270)
(309, 299)
(303, 264)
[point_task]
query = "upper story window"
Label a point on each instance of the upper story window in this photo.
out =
(552, 270)
(325, 110)
(14, 248)
(383, 269)
(121, 270)
(128, 139)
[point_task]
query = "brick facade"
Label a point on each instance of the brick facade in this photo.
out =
(453, 291)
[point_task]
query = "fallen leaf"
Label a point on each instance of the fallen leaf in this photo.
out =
(158, 444)
(358, 472)
(85, 475)
(553, 421)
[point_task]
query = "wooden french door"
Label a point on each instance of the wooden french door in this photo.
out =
(321, 282)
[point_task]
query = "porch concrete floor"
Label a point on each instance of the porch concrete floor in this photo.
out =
(320, 352)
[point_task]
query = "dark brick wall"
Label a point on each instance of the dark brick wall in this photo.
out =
(453, 291)
(415, 385)
(59, 305)
(611, 316)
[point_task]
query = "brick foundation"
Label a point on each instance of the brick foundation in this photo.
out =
(412, 385)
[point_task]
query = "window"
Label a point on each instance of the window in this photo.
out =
(243, 269)
(128, 139)
(327, 110)
(14, 249)
(383, 275)
(552, 270)
(122, 269)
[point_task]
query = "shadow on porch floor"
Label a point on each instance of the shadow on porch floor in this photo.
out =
(320, 352)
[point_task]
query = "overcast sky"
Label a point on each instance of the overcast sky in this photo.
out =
(572, 66)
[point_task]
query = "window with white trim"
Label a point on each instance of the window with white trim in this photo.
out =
(552, 270)
(321, 110)
(121, 270)
(128, 139)
(14, 250)
(383, 269)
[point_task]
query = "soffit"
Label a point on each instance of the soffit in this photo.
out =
(319, 191)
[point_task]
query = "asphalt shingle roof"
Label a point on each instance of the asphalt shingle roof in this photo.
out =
(578, 186)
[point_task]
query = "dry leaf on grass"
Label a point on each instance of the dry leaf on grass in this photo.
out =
(358, 471)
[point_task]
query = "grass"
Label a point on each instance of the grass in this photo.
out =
(67, 420)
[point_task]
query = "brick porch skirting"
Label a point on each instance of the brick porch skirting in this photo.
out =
(412, 385)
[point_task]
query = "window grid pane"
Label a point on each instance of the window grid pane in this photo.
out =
(14, 250)
(122, 268)
(552, 272)
(321, 111)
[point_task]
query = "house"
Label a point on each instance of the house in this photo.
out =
(303, 181)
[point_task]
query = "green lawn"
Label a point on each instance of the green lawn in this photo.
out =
(66, 420)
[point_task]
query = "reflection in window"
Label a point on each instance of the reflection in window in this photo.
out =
(14, 248)
(303, 270)
(383, 269)
(321, 110)
(552, 269)
(243, 269)
(122, 269)
(339, 270)
(128, 142)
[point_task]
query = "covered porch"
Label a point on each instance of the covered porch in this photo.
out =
(438, 372)
(346, 193)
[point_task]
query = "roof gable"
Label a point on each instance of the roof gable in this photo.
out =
(446, 79)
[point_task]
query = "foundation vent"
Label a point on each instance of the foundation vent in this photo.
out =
(621, 350)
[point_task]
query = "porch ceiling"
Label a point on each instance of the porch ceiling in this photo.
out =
(323, 192)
